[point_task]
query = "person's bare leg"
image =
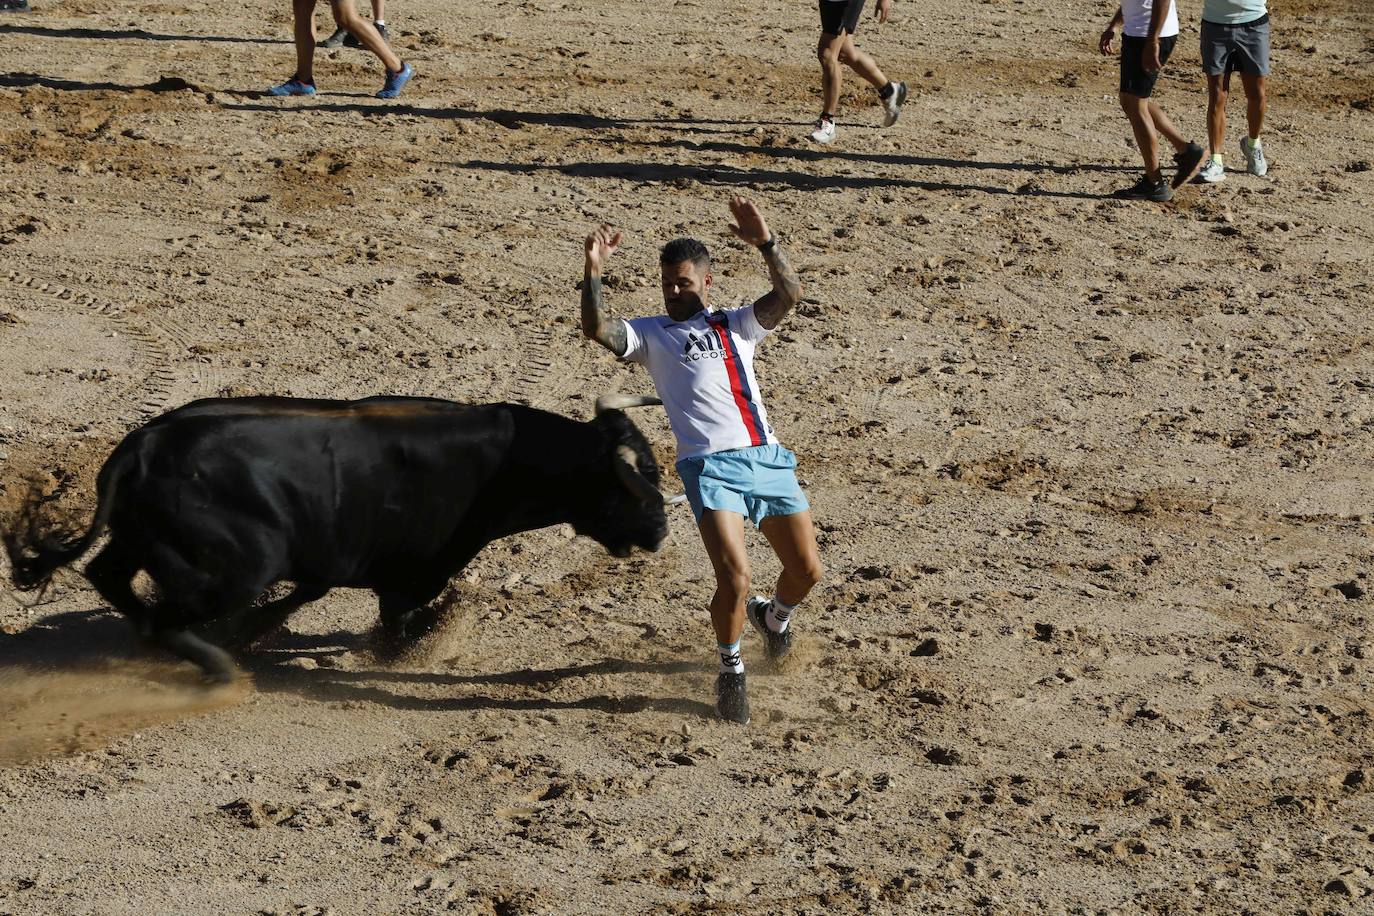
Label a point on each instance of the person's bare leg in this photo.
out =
(303, 25)
(379, 10)
(793, 539)
(1217, 87)
(828, 53)
(1166, 128)
(1138, 113)
(723, 534)
(1256, 102)
(862, 64)
(365, 32)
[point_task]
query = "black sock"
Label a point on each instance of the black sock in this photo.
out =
(887, 91)
(827, 116)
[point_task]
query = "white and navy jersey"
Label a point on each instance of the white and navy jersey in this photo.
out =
(703, 369)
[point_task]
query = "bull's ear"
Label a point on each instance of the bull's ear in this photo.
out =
(627, 469)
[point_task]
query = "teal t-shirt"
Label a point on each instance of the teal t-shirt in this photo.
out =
(1232, 12)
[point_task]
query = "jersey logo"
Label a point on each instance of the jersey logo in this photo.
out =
(703, 346)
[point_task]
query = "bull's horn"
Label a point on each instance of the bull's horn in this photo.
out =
(621, 401)
(674, 500)
(626, 468)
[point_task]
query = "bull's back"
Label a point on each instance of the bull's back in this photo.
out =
(330, 488)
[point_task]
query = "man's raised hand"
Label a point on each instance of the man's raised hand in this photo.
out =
(749, 225)
(601, 244)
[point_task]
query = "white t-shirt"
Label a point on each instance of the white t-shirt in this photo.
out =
(703, 369)
(1137, 16)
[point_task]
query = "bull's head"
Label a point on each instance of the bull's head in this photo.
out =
(633, 514)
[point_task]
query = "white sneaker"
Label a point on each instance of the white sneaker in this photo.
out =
(892, 105)
(1254, 156)
(1212, 172)
(824, 132)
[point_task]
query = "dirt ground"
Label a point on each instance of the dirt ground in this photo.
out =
(1092, 478)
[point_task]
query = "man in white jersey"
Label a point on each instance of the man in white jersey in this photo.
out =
(1235, 36)
(702, 363)
(1151, 30)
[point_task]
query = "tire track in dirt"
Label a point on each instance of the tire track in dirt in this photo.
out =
(149, 396)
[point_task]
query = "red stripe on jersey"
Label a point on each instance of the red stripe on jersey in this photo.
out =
(734, 368)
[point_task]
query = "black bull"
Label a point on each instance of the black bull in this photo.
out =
(220, 499)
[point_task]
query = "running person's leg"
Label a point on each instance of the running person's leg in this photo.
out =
(832, 78)
(398, 73)
(793, 539)
(303, 24)
(366, 33)
(1256, 103)
(722, 533)
(302, 82)
(861, 63)
(1142, 126)
(1165, 127)
(1218, 87)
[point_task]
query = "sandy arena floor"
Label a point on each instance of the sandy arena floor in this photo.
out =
(1093, 479)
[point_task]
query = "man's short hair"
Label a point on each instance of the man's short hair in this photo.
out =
(679, 250)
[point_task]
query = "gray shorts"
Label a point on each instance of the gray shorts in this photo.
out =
(1243, 47)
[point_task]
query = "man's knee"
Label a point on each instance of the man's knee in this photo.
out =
(734, 583)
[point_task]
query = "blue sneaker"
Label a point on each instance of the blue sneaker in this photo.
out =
(394, 82)
(293, 86)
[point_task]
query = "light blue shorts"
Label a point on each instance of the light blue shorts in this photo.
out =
(756, 482)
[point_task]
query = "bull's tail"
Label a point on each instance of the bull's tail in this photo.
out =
(34, 553)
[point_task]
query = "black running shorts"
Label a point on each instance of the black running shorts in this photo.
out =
(1134, 80)
(840, 16)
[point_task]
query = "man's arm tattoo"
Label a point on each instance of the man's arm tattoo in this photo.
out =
(597, 323)
(786, 291)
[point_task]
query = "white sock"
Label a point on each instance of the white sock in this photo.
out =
(379, 23)
(778, 615)
(730, 660)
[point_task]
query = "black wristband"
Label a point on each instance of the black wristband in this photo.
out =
(770, 244)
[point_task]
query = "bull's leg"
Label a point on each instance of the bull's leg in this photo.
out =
(217, 664)
(240, 629)
(192, 595)
(408, 614)
(112, 573)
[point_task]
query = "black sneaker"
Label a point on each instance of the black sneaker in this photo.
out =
(1186, 164)
(1145, 189)
(350, 42)
(732, 700)
(775, 645)
(337, 39)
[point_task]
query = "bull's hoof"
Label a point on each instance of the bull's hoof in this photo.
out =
(399, 633)
(217, 664)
